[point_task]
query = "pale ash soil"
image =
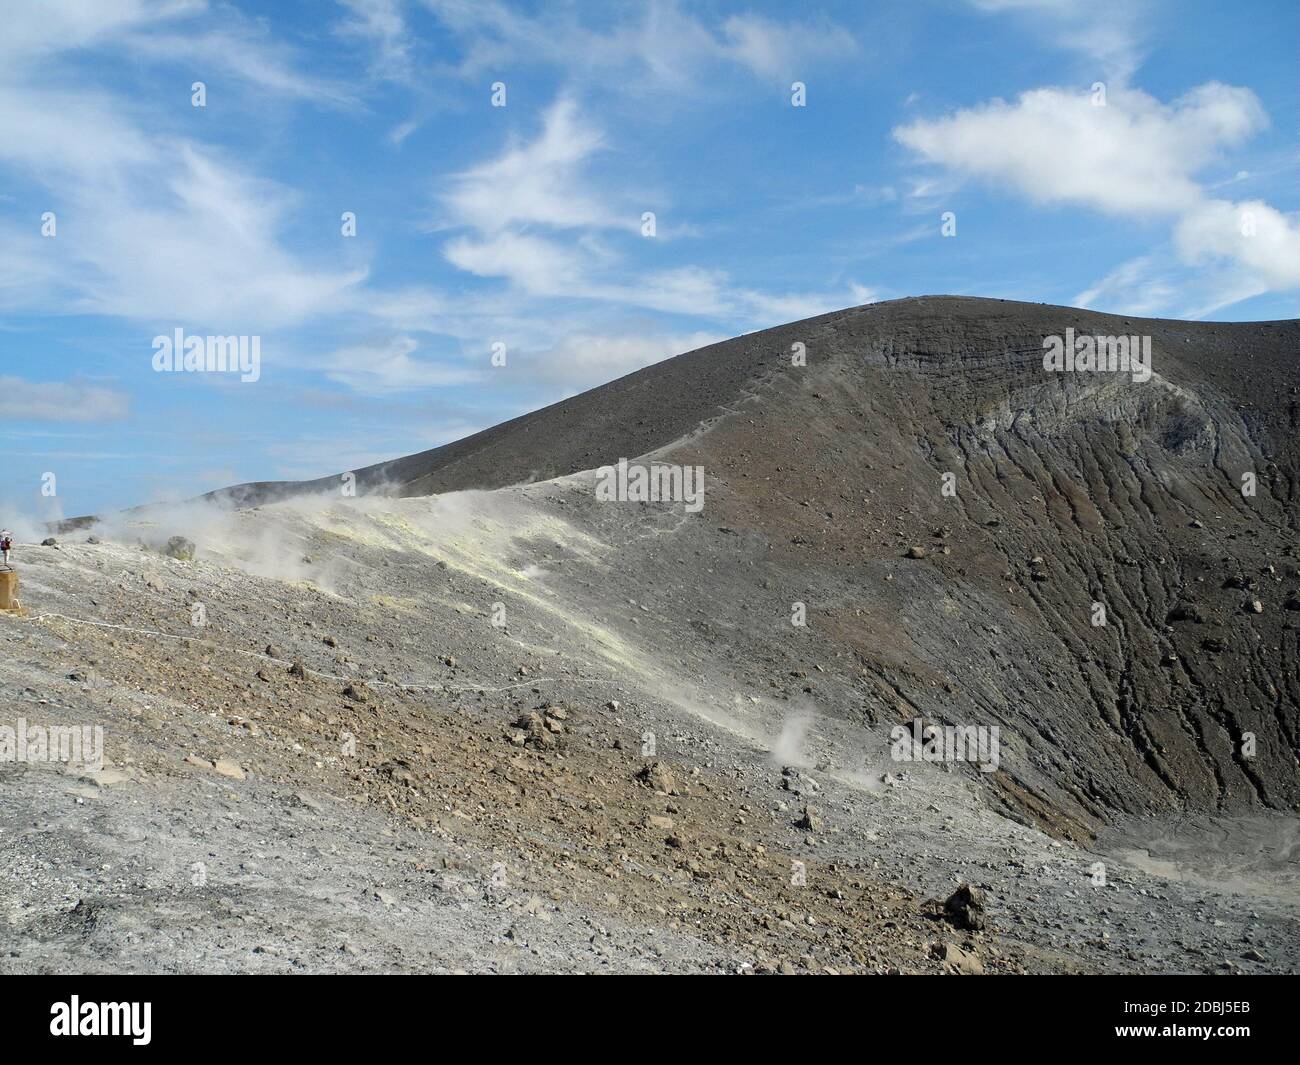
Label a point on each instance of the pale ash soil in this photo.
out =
(452, 840)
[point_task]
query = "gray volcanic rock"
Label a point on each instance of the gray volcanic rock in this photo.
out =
(636, 711)
(990, 350)
(1133, 490)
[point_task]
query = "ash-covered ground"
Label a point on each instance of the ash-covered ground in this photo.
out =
(510, 727)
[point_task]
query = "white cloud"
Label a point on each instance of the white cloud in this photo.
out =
(387, 366)
(59, 401)
(775, 50)
(1135, 287)
(584, 360)
(33, 32)
(542, 185)
(411, 308)
(690, 290)
(538, 266)
(193, 243)
(1106, 33)
(382, 24)
(36, 35)
(1265, 242)
(242, 53)
(661, 45)
(535, 182)
(1132, 155)
(163, 230)
(793, 307)
(1159, 285)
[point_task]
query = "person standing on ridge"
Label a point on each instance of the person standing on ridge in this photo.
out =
(6, 545)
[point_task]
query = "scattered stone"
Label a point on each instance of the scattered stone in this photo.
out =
(657, 776)
(329, 641)
(49, 541)
(356, 692)
(916, 552)
(298, 670)
(794, 780)
(810, 821)
(228, 768)
(965, 908)
(959, 961)
(399, 772)
(537, 731)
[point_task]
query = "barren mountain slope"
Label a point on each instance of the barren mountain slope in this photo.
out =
(1129, 494)
(535, 730)
(523, 730)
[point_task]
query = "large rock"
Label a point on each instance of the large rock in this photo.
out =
(965, 908)
(657, 776)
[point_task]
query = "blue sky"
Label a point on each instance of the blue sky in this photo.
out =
(522, 225)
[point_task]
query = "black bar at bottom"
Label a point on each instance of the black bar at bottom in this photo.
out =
(337, 1013)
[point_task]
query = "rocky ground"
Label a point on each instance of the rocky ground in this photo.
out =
(366, 774)
(508, 727)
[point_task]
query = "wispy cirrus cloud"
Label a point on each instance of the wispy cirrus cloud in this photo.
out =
(656, 44)
(196, 239)
(389, 366)
(535, 220)
(1107, 33)
(382, 25)
(536, 182)
(59, 401)
(583, 360)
